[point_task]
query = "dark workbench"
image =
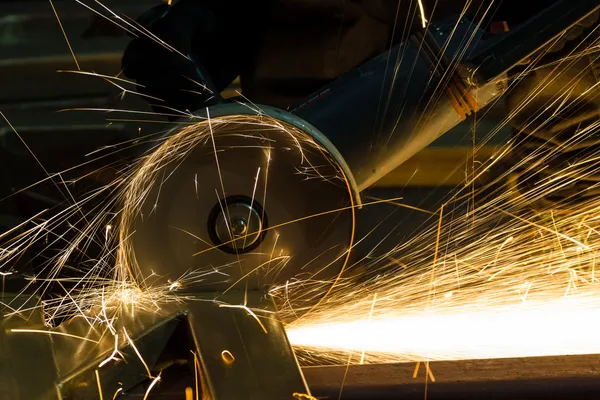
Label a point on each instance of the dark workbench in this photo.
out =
(555, 378)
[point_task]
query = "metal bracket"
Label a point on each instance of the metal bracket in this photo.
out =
(243, 349)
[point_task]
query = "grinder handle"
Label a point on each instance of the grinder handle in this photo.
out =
(162, 61)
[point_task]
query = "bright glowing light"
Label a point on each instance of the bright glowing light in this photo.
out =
(560, 327)
(422, 14)
(99, 385)
(152, 384)
(113, 354)
(119, 390)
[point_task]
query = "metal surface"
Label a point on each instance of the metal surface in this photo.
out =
(241, 348)
(237, 225)
(62, 363)
(285, 173)
(27, 363)
(243, 355)
(566, 377)
(116, 375)
(540, 378)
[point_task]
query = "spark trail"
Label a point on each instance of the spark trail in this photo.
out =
(515, 276)
(504, 287)
(509, 278)
(554, 327)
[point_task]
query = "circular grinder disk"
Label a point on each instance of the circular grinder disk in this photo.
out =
(239, 202)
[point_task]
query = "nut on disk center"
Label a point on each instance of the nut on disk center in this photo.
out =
(237, 224)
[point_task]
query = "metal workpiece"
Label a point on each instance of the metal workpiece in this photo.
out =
(76, 361)
(27, 364)
(572, 377)
(234, 343)
(239, 346)
(243, 349)
(387, 110)
(88, 367)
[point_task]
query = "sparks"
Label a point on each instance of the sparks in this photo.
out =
(113, 354)
(152, 384)
(506, 280)
(138, 354)
(53, 333)
(518, 331)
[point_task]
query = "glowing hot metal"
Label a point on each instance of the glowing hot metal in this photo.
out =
(560, 327)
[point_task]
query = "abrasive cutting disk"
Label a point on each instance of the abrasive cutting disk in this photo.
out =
(238, 201)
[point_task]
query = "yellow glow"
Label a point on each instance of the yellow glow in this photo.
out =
(152, 384)
(227, 357)
(53, 333)
(560, 327)
(119, 390)
(422, 13)
(138, 354)
(99, 385)
(113, 354)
